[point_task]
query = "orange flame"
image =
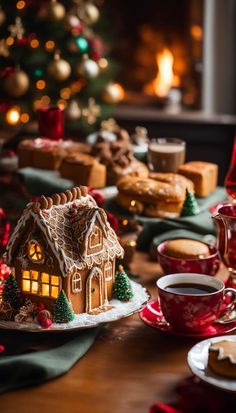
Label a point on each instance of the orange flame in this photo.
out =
(165, 78)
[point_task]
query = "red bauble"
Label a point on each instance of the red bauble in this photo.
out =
(113, 221)
(99, 198)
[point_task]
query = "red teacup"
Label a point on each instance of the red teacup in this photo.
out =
(192, 312)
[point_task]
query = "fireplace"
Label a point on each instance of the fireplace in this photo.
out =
(159, 48)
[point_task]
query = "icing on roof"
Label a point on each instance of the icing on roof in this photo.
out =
(66, 227)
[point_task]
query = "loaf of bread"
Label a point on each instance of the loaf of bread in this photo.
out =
(203, 174)
(153, 197)
(47, 154)
(84, 170)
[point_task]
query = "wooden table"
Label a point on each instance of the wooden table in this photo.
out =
(129, 367)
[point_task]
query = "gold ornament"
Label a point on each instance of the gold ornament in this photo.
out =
(16, 84)
(92, 112)
(113, 93)
(55, 11)
(17, 30)
(88, 68)
(59, 68)
(2, 16)
(88, 12)
(73, 111)
(4, 50)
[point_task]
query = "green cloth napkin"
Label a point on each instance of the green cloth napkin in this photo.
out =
(36, 367)
(41, 181)
(157, 230)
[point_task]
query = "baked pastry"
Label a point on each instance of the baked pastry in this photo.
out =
(203, 174)
(47, 154)
(186, 249)
(151, 197)
(222, 358)
(119, 160)
(84, 170)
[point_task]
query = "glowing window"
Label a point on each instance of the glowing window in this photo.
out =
(76, 283)
(35, 251)
(42, 284)
(108, 271)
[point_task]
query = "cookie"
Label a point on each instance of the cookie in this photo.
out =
(186, 249)
(222, 358)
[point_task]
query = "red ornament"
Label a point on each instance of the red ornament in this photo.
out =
(97, 196)
(113, 222)
(23, 42)
(4, 272)
(2, 348)
(4, 230)
(7, 71)
(96, 47)
(44, 318)
(51, 123)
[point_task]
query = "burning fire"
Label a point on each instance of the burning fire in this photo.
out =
(165, 78)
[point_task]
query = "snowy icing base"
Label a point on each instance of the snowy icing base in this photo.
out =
(84, 320)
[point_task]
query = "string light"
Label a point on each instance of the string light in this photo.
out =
(20, 5)
(24, 118)
(34, 43)
(49, 45)
(82, 44)
(37, 104)
(65, 93)
(45, 100)
(13, 116)
(62, 104)
(40, 84)
(9, 41)
(103, 63)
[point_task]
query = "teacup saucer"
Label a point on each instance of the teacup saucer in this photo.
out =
(152, 315)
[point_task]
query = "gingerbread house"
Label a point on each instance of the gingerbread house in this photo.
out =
(65, 242)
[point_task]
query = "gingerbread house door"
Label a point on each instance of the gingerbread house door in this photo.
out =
(94, 290)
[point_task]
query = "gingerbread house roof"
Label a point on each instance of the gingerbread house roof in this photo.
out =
(66, 220)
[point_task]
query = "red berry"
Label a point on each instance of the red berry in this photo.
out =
(46, 323)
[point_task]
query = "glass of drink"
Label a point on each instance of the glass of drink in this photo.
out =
(166, 154)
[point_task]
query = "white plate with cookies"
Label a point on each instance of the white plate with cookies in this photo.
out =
(214, 361)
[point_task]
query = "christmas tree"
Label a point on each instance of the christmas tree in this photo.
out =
(122, 288)
(11, 292)
(51, 56)
(190, 206)
(63, 312)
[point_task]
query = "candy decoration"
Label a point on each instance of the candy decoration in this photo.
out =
(11, 292)
(63, 312)
(122, 288)
(190, 206)
(44, 318)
